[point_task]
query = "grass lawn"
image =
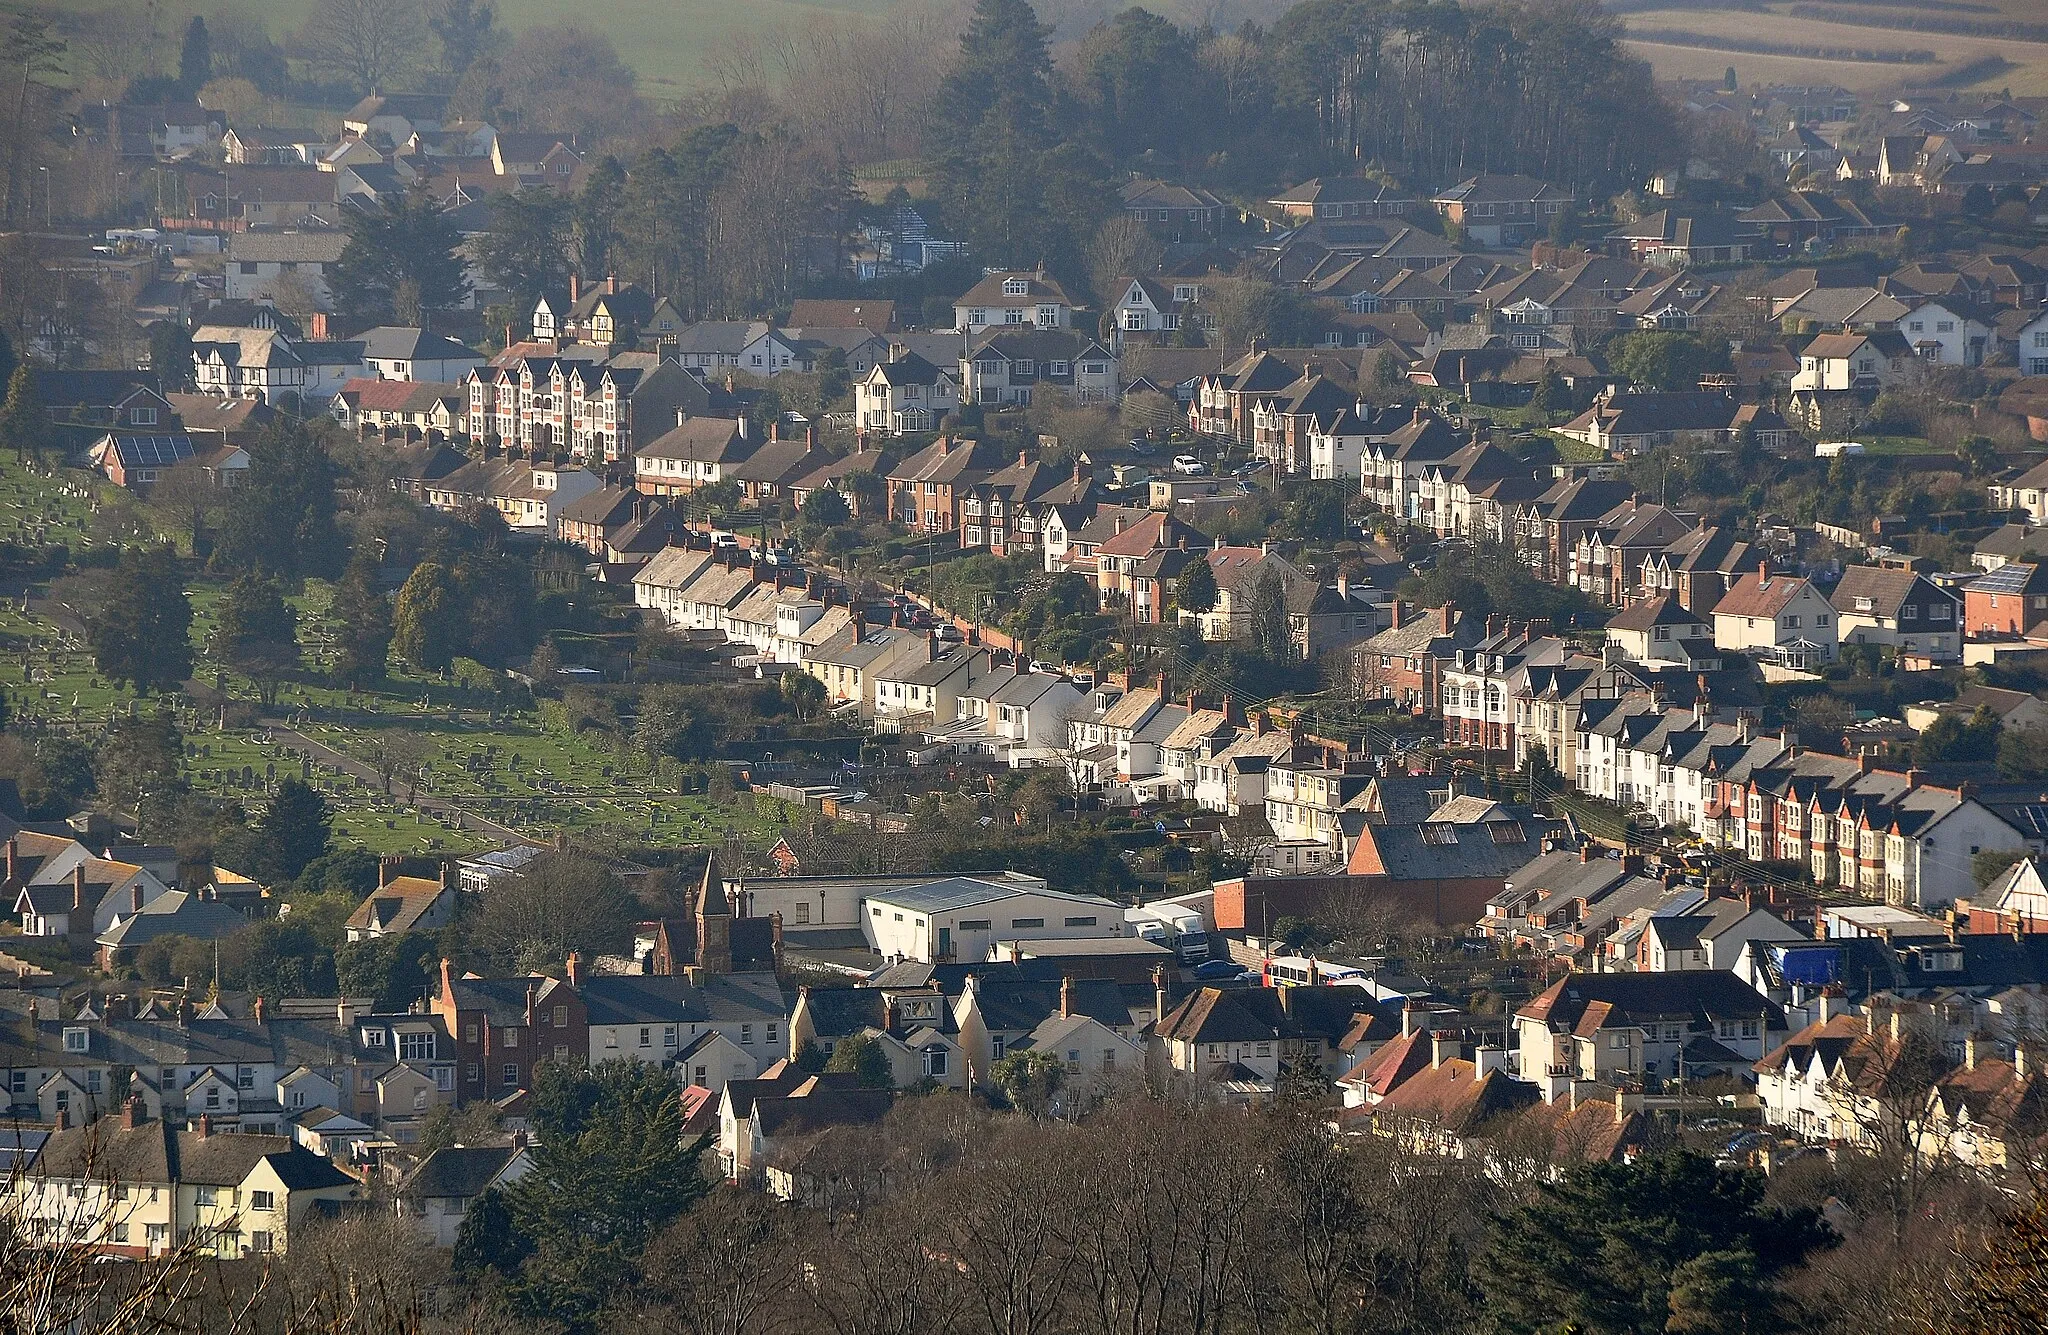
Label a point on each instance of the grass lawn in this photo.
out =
(488, 753)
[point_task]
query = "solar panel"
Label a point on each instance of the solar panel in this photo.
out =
(153, 451)
(2010, 578)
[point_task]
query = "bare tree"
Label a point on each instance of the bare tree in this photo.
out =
(1122, 248)
(369, 42)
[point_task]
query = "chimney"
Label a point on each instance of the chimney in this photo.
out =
(63, 1120)
(1066, 996)
(1971, 1045)
(12, 869)
(575, 288)
(316, 327)
(205, 1126)
(574, 969)
(1397, 614)
(135, 899)
(1443, 1047)
(447, 978)
(132, 1114)
(611, 285)
(2019, 1060)
(78, 888)
(532, 996)
(256, 1010)
(1158, 993)
(1832, 1002)
(1914, 778)
(1414, 1018)
(1585, 852)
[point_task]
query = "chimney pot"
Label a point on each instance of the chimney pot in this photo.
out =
(1066, 996)
(205, 1126)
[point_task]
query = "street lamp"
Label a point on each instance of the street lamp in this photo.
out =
(47, 224)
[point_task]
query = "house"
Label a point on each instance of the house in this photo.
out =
(1671, 240)
(1899, 609)
(1008, 367)
(926, 489)
(438, 1193)
(853, 660)
(696, 452)
(1938, 334)
(153, 1189)
(1013, 298)
(1634, 422)
(1781, 618)
(1493, 210)
(501, 1028)
(138, 462)
(758, 1118)
(1237, 1044)
(172, 913)
(592, 405)
(711, 1028)
(1176, 212)
(402, 904)
(530, 494)
(393, 352)
(286, 266)
(929, 691)
(1609, 1027)
(905, 395)
(395, 116)
(1841, 363)
(413, 408)
(1014, 715)
(1661, 631)
(2032, 341)
(1342, 197)
(2010, 602)
(1404, 662)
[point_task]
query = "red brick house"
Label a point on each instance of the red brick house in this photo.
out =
(504, 1027)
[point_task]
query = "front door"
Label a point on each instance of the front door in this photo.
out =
(945, 943)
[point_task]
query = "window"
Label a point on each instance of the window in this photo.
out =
(444, 1078)
(1027, 922)
(509, 1075)
(471, 1072)
(646, 1036)
(469, 1033)
(996, 1046)
(975, 924)
(668, 1035)
(803, 912)
(511, 1038)
(142, 416)
(561, 1017)
(259, 1241)
(768, 1035)
(416, 1047)
(205, 1197)
(1088, 921)
(77, 1040)
(1016, 287)
(935, 1062)
(747, 1034)
(117, 1234)
(262, 1200)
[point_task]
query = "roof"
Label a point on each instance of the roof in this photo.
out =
(959, 892)
(286, 247)
(1758, 594)
(173, 913)
(404, 343)
(1665, 610)
(1886, 589)
(877, 316)
(703, 439)
(989, 291)
(458, 1171)
(398, 905)
(1608, 1000)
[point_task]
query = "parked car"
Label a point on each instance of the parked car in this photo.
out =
(1251, 469)
(1141, 447)
(1189, 466)
(1218, 970)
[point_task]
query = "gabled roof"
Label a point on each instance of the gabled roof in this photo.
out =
(989, 291)
(1760, 595)
(458, 1171)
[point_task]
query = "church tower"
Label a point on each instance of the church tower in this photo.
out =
(714, 923)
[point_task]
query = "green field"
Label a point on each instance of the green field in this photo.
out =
(488, 753)
(669, 43)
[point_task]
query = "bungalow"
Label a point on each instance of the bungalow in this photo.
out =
(1634, 422)
(394, 352)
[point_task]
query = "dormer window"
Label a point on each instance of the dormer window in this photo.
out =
(1016, 287)
(142, 416)
(77, 1039)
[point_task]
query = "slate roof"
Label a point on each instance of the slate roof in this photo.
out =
(458, 1171)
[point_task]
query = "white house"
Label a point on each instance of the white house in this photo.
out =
(1016, 299)
(441, 1189)
(394, 352)
(1779, 617)
(903, 396)
(283, 267)
(1937, 334)
(2033, 346)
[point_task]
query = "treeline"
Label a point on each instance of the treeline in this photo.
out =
(1805, 50)
(1909, 21)
(739, 205)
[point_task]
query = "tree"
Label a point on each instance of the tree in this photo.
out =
(195, 57)
(1951, 739)
(256, 631)
(280, 517)
(558, 904)
(1195, 592)
(363, 649)
(569, 78)
(295, 829)
(400, 265)
(139, 758)
(526, 252)
(1271, 638)
(1030, 1080)
(1122, 248)
(394, 969)
(1992, 863)
(668, 728)
(611, 1171)
(24, 419)
(1717, 1293)
(2023, 754)
(368, 42)
(170, 351)
(396, 751)
(826, 508)
(139, 622)
(425, 627)
(862, 1057)
(1663, 360)
(464, 30)
(805, 693)
(1316, 510)
(1603, 1248)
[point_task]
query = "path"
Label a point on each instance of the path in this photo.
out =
(436, 806)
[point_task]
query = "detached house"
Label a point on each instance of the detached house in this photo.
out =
(1010, 367)
(1014, 298)
(904, 396)
(1502, 210)
(291, 266)
(1782, 618)
(1901, 610)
